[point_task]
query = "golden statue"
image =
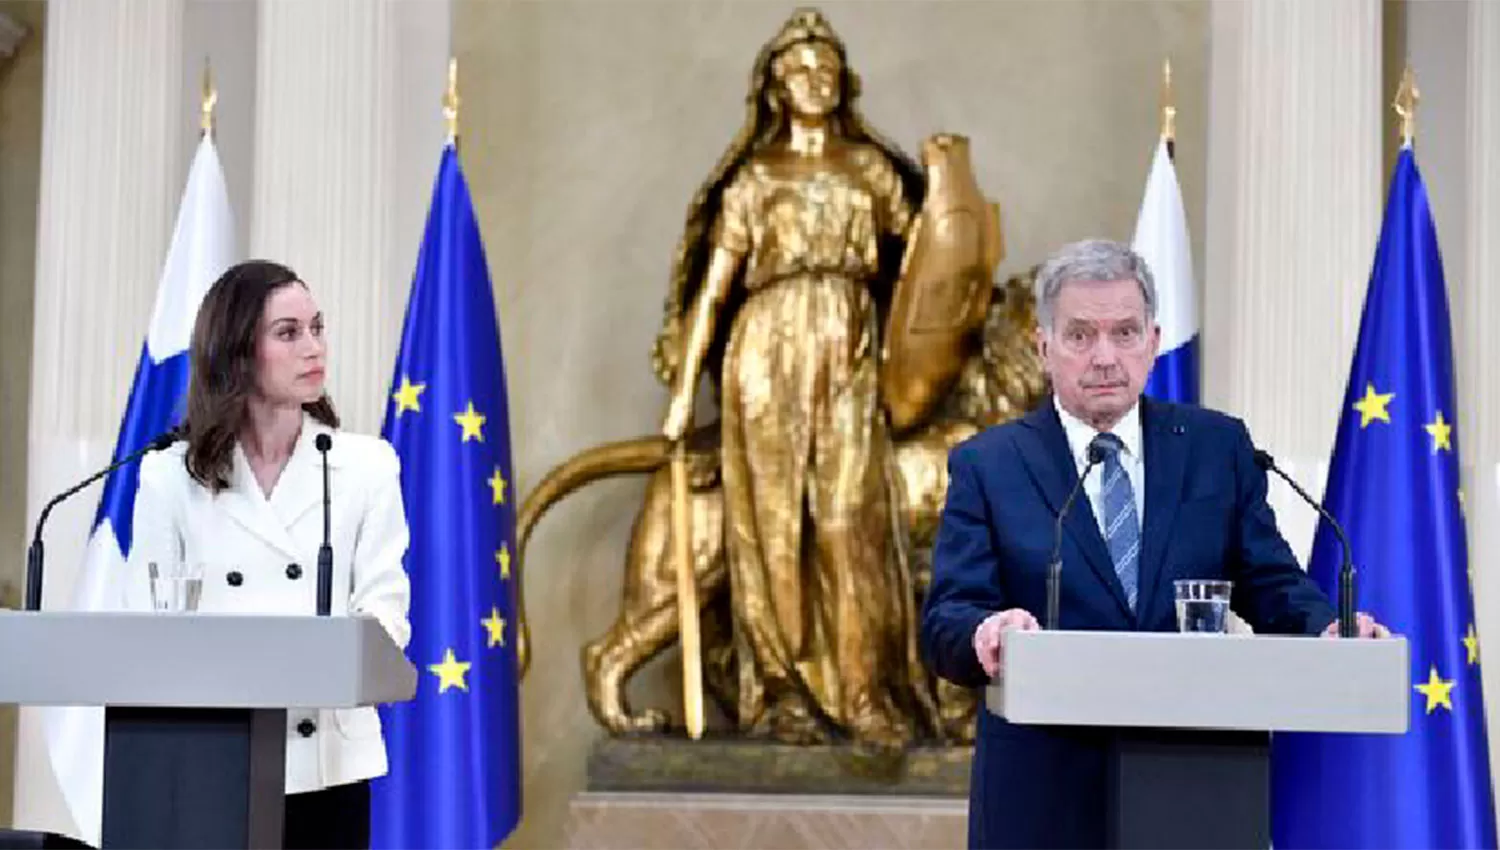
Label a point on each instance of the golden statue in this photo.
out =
(840, 301)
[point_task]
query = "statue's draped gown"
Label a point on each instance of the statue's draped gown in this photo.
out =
(818, 592)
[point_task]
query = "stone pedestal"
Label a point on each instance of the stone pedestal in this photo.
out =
(723, 793)
(643, 821)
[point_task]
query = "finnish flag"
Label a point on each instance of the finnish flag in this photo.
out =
(1161, 238)
(202, 248)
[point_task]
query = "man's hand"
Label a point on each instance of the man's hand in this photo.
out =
(1366, 627)
(988, 636)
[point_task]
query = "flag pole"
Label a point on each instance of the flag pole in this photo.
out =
(523, 629)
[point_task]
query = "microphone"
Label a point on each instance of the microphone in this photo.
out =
(1096, 455)
(325, 552)
(1347, 627)
(34, 553)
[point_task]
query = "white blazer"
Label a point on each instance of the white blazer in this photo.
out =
(260, 556)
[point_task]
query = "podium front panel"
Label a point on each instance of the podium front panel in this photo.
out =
(1197, 681)
(199, 660)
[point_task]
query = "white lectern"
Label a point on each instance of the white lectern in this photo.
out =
(196, 708)
(1191, 717)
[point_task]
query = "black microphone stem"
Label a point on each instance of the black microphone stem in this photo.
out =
(34, 556)
(34, 573)
(1054, 571)
(325, 552)
(1347, 626)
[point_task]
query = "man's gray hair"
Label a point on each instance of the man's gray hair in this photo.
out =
(1091, 259)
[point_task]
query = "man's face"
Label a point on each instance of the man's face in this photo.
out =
(1099, 349)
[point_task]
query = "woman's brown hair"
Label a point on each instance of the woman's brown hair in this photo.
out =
(223, 368)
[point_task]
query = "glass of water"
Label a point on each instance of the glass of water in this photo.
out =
(1203, 605)
(176, 586)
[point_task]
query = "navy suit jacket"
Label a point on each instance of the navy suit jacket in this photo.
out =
(1205, 516)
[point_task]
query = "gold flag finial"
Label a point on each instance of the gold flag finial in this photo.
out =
(1168, 109)
(450, 101)
(210, 98)
(1405, 105)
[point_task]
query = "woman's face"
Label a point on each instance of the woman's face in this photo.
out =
(290, 355)
(810, 75)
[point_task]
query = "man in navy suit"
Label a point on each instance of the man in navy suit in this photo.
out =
(1177, 495)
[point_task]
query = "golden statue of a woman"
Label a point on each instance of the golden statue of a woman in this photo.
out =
(779, 291)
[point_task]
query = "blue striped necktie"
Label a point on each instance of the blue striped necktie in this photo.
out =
(1122, 528)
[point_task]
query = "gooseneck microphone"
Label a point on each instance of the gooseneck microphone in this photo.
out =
(325, 552)
(1096, 455)
(34, 552)
(1347, 626)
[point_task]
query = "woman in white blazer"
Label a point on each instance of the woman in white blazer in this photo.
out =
(241, 496)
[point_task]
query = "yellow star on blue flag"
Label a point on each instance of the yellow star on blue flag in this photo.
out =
(455, 749)
(1437, 690)
(408, 396)
(1393, 488)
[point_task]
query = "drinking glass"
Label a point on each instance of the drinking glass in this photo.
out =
(176, 586)
(1203, 605)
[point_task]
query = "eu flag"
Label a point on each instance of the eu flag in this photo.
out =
(1394, 484)
(455, 749)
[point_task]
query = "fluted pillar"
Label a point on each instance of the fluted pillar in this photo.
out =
(111, 169)
(110, 135)
(348, 132)
(1295, 141)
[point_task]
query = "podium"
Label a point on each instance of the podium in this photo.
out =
(196, 708)
(1191, 715)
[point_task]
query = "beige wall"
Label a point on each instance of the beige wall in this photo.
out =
(20, 164)
(587, 128)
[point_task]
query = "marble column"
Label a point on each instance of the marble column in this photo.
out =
(109, 183)
(1295, 141)
(110, 176)
(348, 133)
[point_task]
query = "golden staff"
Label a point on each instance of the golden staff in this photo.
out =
(687, 593)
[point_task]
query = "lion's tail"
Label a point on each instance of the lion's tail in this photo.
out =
(627, 457)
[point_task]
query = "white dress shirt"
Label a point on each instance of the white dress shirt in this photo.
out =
(1128, 429)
